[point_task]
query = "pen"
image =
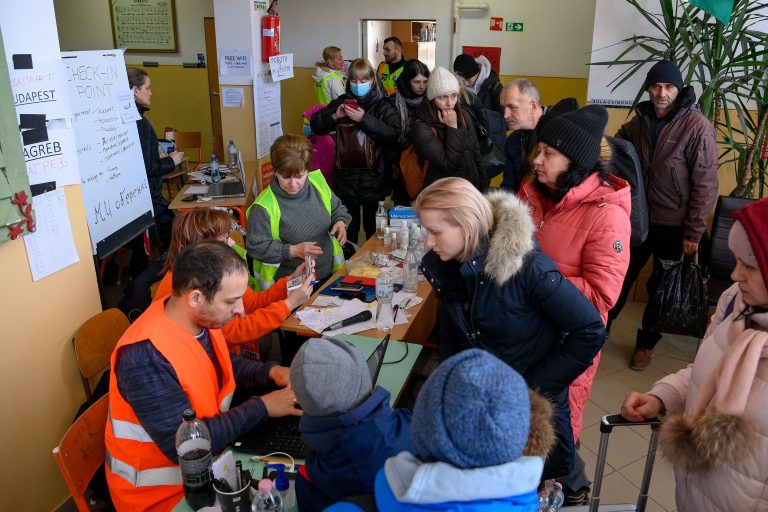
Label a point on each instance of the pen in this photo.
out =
(395, 309)
(239, 471)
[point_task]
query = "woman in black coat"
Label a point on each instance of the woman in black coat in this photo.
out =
(499, 293)
(444, 136)
(366, 106)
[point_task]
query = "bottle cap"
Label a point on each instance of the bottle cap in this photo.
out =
(232, 141)
(265, 485)
(213, 157)
(188, 414)
(281, 481)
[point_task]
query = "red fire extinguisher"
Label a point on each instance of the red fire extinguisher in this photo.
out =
(270, 37)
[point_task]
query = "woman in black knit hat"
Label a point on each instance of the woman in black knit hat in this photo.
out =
(582, 214)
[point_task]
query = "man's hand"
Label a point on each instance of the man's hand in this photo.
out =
(279, 374)
(305, 249)
(638, 406)
(690, 247)
(300, 295)
(339, 230)
(448, 118)
(281, 403)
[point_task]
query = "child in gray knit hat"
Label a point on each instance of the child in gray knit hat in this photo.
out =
(349, 427)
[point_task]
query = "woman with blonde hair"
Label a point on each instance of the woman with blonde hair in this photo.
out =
(498, 292)
(264, 311)
(363, 107)
(329, 75)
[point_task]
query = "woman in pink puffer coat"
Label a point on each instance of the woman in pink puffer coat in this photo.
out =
(715, 430)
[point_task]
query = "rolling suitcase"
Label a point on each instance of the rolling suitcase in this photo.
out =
(607, 424)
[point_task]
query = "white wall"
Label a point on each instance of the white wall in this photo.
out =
(378, 31)
(85, 25)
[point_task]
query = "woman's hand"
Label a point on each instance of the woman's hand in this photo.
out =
(448, 118)
(298, 272)
(339, 230)
(355, 114)
(340, 112)
(279, 374)
(638, 406)
(177, 157)
(305, 249)
(300, 295)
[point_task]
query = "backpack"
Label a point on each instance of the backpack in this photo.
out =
(414, 171)
(625, 164)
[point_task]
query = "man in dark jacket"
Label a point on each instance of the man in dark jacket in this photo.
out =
(480, 79)
(350, 428)
(678, 153)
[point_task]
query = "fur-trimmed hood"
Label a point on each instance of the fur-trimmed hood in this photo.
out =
(511, 238)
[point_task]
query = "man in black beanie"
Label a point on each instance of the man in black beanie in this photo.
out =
(678, 153)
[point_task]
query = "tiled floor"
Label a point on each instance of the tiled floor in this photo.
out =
(628, 446)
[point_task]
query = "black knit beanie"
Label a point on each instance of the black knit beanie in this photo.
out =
(664, 72)
(564, 106)
(577, 135)
(465, 66)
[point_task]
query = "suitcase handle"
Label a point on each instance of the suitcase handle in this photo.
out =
(617, 420)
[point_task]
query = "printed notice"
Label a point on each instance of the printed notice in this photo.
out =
(51, 247)
(126, 105)
(232, 97)
(235, 63)
(268, 114)
(281, 66)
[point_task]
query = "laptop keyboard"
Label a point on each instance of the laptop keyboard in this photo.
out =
(285, 437)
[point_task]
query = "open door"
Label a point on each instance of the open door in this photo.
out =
(217, 145)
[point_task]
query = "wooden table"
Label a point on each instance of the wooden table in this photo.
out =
(422, 316)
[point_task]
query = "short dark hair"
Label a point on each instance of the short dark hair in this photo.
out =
(136, 77)
(395, 40)
(203, 265)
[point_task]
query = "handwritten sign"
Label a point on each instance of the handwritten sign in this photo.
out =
(281, 66)
(144, 25)
(41, 88)
(235, 63)
(126, 105)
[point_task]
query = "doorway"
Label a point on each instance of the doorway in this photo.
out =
(417, 36)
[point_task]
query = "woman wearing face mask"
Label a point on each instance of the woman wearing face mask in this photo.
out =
(366, 106)
(445, 137)
(329, 75)
(411, 88)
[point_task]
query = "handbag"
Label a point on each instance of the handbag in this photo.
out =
(354, 149)
(493, 157)
(682, 299)
(414, 171)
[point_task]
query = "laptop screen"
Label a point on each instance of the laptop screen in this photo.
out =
(377, 359)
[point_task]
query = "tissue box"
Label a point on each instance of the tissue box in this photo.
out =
(397, 214)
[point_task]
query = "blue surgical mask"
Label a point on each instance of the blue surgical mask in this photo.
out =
(360, 90)
(307, 130)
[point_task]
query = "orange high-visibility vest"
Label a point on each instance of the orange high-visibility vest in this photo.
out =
(139, 475)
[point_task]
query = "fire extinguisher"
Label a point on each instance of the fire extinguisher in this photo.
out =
(270, 37)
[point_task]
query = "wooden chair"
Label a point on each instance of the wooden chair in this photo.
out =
(185, 141)
(94, 342)
(81, 451)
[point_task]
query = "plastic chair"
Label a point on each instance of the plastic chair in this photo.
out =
(94, 342)
(81, 451)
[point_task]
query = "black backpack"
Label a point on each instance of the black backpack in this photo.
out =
(626, 165)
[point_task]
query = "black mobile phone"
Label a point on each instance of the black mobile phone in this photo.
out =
(349, 288)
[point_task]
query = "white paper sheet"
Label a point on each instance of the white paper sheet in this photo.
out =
(55, 159)
(406, 300)
(197, 189)
(232, 97)
(42, 89)
(281, 66)
(126, 105)
(233, 62)
(51, 247)
(318, 319)
(268, 114)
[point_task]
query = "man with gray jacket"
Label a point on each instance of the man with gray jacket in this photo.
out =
(678, 153)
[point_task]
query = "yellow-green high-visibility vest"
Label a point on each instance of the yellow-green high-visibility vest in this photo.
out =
(320, 86)
(264, 272)
(389, 79)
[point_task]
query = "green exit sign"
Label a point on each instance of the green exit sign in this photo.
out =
(513, 26)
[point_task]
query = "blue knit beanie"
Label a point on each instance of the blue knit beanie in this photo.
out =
(473, 411)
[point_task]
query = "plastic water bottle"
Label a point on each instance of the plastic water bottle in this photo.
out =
(404, 235)
(215, 174)
(284, 490)
(385, 290)
(232, 154)
(265, 498)
(387, 237)
(410, 269)
(381, 220)
(193, 446)
(552, 498)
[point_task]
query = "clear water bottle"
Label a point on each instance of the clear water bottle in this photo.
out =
(265, 498)
(381, 220)
(385, 290)
(193, 446)
(284, 490)
(404, 236)
(410, 268)
(387, 237)
(552, 498)
(215, 174)
(232, 149)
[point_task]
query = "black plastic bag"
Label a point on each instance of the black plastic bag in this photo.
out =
(682, 299)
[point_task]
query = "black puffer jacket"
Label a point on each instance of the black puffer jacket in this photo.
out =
(449, 151)
(155, 166)
(381, 122)
(490, 93)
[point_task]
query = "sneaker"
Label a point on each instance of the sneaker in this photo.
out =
(574, 498)
(641, 359)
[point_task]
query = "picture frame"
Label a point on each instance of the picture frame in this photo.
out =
(144, 26)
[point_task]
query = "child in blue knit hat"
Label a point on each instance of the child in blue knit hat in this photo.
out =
(480, 439)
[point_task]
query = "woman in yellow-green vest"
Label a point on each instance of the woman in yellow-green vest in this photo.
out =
(330, 79)
(296, 216)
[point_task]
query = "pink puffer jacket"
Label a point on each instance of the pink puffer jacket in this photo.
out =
(587, 235)
(739, 486)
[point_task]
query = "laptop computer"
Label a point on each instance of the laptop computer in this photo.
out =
(283, 435)
(229, 188)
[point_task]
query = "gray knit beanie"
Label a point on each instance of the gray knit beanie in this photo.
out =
(440, 82)
(473, 411)
(577, 135)
(329, 376)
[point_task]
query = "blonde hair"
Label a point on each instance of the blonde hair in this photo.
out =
(291, 155)
(361, 69)
(460, 204)
(329, 52)
(194, 225)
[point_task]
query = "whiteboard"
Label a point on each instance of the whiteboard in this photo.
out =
(118, 204)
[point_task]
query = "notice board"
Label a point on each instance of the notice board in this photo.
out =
(118, 204)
